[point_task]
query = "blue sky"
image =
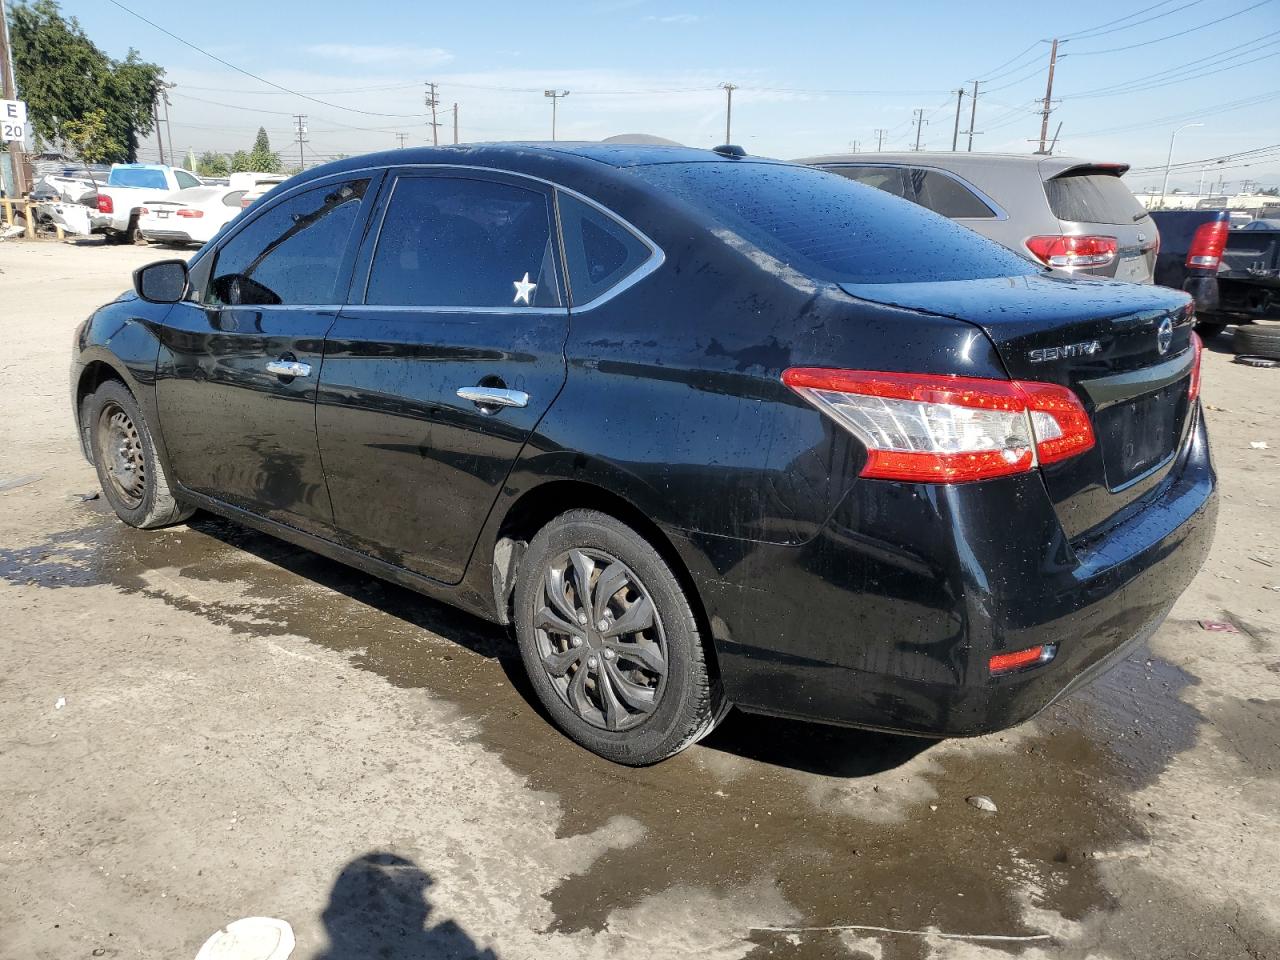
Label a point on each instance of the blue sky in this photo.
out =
(812, 77)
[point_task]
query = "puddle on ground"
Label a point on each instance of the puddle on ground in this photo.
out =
(850, 827)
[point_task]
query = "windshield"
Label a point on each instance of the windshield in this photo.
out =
(832, 228)
(137, 177)
(1092, 198)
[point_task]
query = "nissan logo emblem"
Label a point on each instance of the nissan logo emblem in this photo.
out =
(1164, 335)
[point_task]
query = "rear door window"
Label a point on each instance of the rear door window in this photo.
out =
(600, 251)
(185, 179)
(292, 254)
(889, 179)
(947, 196)
(455, 242)
(1092, 198)
(829, 227)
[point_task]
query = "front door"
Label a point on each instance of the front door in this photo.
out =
(238, 369)
(435, 374)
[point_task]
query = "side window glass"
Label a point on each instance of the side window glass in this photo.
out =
(600, 251)
(185, 179)
(889, 179)
(453, 242)
(946, 196)
(292, 253)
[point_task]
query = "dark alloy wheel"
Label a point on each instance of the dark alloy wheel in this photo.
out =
(600, 639)
(124, 454)
(610, 641)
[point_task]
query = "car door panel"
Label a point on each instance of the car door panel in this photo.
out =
(413, 467)
(239, 427)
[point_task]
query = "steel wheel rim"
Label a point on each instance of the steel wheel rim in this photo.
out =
(120, 446)
(600, 640)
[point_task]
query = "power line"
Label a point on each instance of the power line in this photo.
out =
(1177, 79)
(1218, 57)
(1098, 32)
(1169, 36)
(1129, 16)
(1196, 114)
(252, 76)
(994, 72)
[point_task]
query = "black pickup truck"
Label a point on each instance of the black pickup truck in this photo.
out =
(1234, 275)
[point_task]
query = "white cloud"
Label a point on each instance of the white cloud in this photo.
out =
(373, 54)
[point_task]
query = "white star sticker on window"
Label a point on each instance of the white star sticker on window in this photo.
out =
(523, 289)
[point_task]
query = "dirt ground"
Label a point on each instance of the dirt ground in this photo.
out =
(203, 724)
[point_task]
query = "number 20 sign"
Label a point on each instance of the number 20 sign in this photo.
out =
(13, 120)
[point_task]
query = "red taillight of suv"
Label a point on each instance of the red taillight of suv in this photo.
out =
(1207, 244)
(945, 429)
(105, 205)
(189, 213)
(1069, 252)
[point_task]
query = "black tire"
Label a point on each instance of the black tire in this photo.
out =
(1257, 340)
(129, 471)
(644, 695)
(1209, 330)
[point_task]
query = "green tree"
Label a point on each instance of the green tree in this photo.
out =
(261, 157)
(64, 77)
(212, 164)
(89, 139)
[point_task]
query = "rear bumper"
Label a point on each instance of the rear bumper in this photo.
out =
(887, 619)
(168, 236)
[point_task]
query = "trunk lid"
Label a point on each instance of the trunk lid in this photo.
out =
(1124, 349)
(1091, 199)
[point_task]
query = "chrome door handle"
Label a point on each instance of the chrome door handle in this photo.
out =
(494, 396)
(289, 368)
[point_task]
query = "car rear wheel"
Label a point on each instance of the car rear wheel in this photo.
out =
(610, 641)
(125, 457)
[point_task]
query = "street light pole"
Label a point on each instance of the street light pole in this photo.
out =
(1169, 161)
(554, 95)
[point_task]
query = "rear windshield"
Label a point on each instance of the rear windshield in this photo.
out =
(832, 228)
(1092, 198)
(133, 177)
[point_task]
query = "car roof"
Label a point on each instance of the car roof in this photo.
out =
(1049, 166)
(140, 166)
(535, 158)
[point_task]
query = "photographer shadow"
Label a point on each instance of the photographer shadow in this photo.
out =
(379, 908)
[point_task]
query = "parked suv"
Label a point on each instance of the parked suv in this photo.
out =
(707, 430)
(1069, 214)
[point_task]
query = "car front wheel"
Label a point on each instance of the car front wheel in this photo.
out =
(610, 641)
(125, 456)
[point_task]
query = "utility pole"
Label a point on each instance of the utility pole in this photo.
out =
(402, 137)
(455, 123)
(164, 93)
(854, 146)
(555, 95)
(880, 132)
(955, 133)
(919, 122)
(973, 114)
(155, 119)
(8, 86)
(728, 88)
(432, 101)
(1048, 96)
(300, 130)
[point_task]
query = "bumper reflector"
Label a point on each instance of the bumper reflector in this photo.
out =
(1008, 662)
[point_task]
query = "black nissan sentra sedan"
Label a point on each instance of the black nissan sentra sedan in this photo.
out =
(705, 429)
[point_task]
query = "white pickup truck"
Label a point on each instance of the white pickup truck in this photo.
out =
(130, 186)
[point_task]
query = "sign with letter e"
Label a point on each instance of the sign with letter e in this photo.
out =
(13, 121)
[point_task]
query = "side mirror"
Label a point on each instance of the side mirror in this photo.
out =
(162, 282)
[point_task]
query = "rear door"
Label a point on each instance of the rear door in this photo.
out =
(439, 369)
(1093, 200)
(238, 370)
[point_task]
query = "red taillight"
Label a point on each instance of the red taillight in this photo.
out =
(946, 429)
(143, 211)
(1197, 345)
(105, 205)
(244, 202)
(1207, 244)
(1007, 662)
(189, 213)
(1069, 252)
